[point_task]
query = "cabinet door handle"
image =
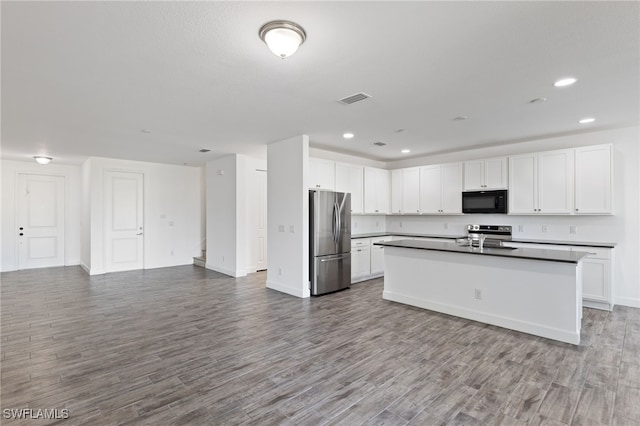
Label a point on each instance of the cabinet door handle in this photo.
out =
(576, 209)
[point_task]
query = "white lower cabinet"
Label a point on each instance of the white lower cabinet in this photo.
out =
(597, 274)
(360, 259)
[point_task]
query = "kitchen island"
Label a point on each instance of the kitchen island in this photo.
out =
(535, 291)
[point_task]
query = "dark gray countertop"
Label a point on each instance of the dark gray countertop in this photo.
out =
(516, 240)
(564, 256)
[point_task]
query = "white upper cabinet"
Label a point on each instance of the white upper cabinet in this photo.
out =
(441, 189)
(396, 191)
(593, 180)
(541, 183)
(480, 175)
(411, 190)
(376, 191)
(430, 189)
(349, 178)
(322, 174)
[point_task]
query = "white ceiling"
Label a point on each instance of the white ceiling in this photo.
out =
(84, 79)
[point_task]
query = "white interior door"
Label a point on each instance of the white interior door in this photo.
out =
(261, 229)
(124, 228)
(40, 221)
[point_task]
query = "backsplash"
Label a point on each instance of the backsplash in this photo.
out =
(361, 224)
(561, 228)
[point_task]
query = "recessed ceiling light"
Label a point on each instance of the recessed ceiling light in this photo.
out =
(538, 100)
(563, 82)
(205, 150)
(587, 120)
(145, 131)
(460, 118)
(42, 160)
(379, 143)
(405, 151)
(400, 130)
(348, 135)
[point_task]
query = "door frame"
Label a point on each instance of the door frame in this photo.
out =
(105, 172)
(16, 210)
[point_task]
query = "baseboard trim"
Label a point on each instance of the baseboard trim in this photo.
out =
(283, 288)
(631, 302)
(85, 268)
(232, 273)
(500, 321)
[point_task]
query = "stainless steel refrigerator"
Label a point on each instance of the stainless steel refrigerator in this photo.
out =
(329, 241)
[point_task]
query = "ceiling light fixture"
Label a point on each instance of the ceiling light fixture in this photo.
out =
(42, 160)
(282, 37)
(405, 151)
(587, 120)
(348, 135)
(538, 100)
(568, 81)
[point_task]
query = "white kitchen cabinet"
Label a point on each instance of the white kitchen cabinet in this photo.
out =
(377, 256)
(322, 174)
(376, 191)
(360, 259)
(486, 174)
(541, 183)
(597, 274)
(405, 191)
(441, 189)
(593, 180)
(349, 178)
(411, 190)
(396, 191)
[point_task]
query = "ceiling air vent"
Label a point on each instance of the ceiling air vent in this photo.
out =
(205, 150)
(379, 143)
(352, 99)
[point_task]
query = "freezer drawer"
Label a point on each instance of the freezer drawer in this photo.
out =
(330, 273)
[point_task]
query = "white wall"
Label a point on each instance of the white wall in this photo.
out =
(9, 173)
(345, 158)
(288, 216)
(224, 219)
(172, 208)
(623, 227)
(85, 217)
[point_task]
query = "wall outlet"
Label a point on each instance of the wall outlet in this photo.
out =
(222, 259)
(292, 229)
(478, 294)
(544, 228)
(279, 271)
(171, 252)
(520, 228)
(400, 224)
(446, 225)
(377, 223)
(573, 229)
(355, 225)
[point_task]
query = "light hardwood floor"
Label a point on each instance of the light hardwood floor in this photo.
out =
(186, 345)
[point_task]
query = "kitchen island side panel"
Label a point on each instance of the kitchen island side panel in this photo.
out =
(542, 298)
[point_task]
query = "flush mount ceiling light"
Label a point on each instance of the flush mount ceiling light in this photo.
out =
(405, 151)
(42, 160)
(538, 100)
(460, 118)
(568, 81)
(282, 37)
(348, 135)
(587, 120)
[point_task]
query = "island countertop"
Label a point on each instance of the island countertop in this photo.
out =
(518, 253)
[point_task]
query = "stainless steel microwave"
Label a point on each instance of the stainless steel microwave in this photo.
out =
(485, 202)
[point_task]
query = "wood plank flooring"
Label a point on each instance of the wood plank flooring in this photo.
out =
(186, 345)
